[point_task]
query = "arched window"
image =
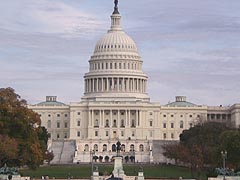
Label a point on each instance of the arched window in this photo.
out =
(141, 148)
(114, 148)
(95, 147)
(86, 147)
(104, 147)
(131, 147)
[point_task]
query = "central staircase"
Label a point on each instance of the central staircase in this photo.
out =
(63, 151)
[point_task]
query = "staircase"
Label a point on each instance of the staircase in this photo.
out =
(63, 151)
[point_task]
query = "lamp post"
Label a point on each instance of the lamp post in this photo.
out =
(224, 157)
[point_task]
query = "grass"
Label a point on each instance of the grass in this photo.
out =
(84, 171)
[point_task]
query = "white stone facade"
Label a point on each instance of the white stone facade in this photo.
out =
(116, 106)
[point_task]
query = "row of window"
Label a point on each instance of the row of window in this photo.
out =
(114, 123)
(59, 135)
(107, 133)
(113, 148)
(172, 125)
(164, 115)
(103, 65)
(111, 46)
(58, 115)
(58, 124)
(114, 113)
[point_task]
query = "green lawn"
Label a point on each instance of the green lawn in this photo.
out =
(84, 171)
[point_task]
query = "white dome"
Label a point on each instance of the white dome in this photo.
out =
(115, 41)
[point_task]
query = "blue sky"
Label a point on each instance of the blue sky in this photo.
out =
(189, 47)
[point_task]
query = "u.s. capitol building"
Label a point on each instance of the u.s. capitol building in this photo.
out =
(116, 106)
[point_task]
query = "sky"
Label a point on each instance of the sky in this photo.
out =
(188, 47)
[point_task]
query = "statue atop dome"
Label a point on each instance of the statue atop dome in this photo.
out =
(116, 7)
(116, 3)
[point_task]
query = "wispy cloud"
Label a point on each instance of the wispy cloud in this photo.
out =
(46, 16)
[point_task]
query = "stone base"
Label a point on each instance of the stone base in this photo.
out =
(118, 168)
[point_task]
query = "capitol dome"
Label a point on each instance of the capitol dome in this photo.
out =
(115, 42)
(115, 68)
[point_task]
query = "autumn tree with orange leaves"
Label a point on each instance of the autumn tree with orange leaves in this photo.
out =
(23, 140)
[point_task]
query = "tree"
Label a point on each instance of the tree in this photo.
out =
(230, 141)
(198, 146)
(23, 128)
(8, 149)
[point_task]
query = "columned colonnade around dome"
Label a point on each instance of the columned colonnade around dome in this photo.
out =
(115, 84)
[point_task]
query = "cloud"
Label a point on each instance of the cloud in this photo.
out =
(47, 17)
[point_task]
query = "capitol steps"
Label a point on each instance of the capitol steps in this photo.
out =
(63, 151)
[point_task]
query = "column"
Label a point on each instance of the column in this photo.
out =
(111, 118)
(107, 84)
(92, 117)
(103, 116)
(102, 84)
(137, 85)
(140, 117)
(118, 119)
(97, 85)
(118, 84)
(93, 82)
(125, 118)
(89, 118)
(137, 120)
(145, 86)
(129, 118)
(127, 84)
(100, 118)
(113, 85)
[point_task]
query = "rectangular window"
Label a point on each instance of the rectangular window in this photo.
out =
(164, 125)
(58, 124)
(151, 134)
(133, 133)
(78, 133)
(107, 133)
(164, 136)
(172, 125)
(122, 133)
(96, 133)
(151, 123)
(65, 135)
(78, 123)
(65, 124)
(58, 136)
(172, 135)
